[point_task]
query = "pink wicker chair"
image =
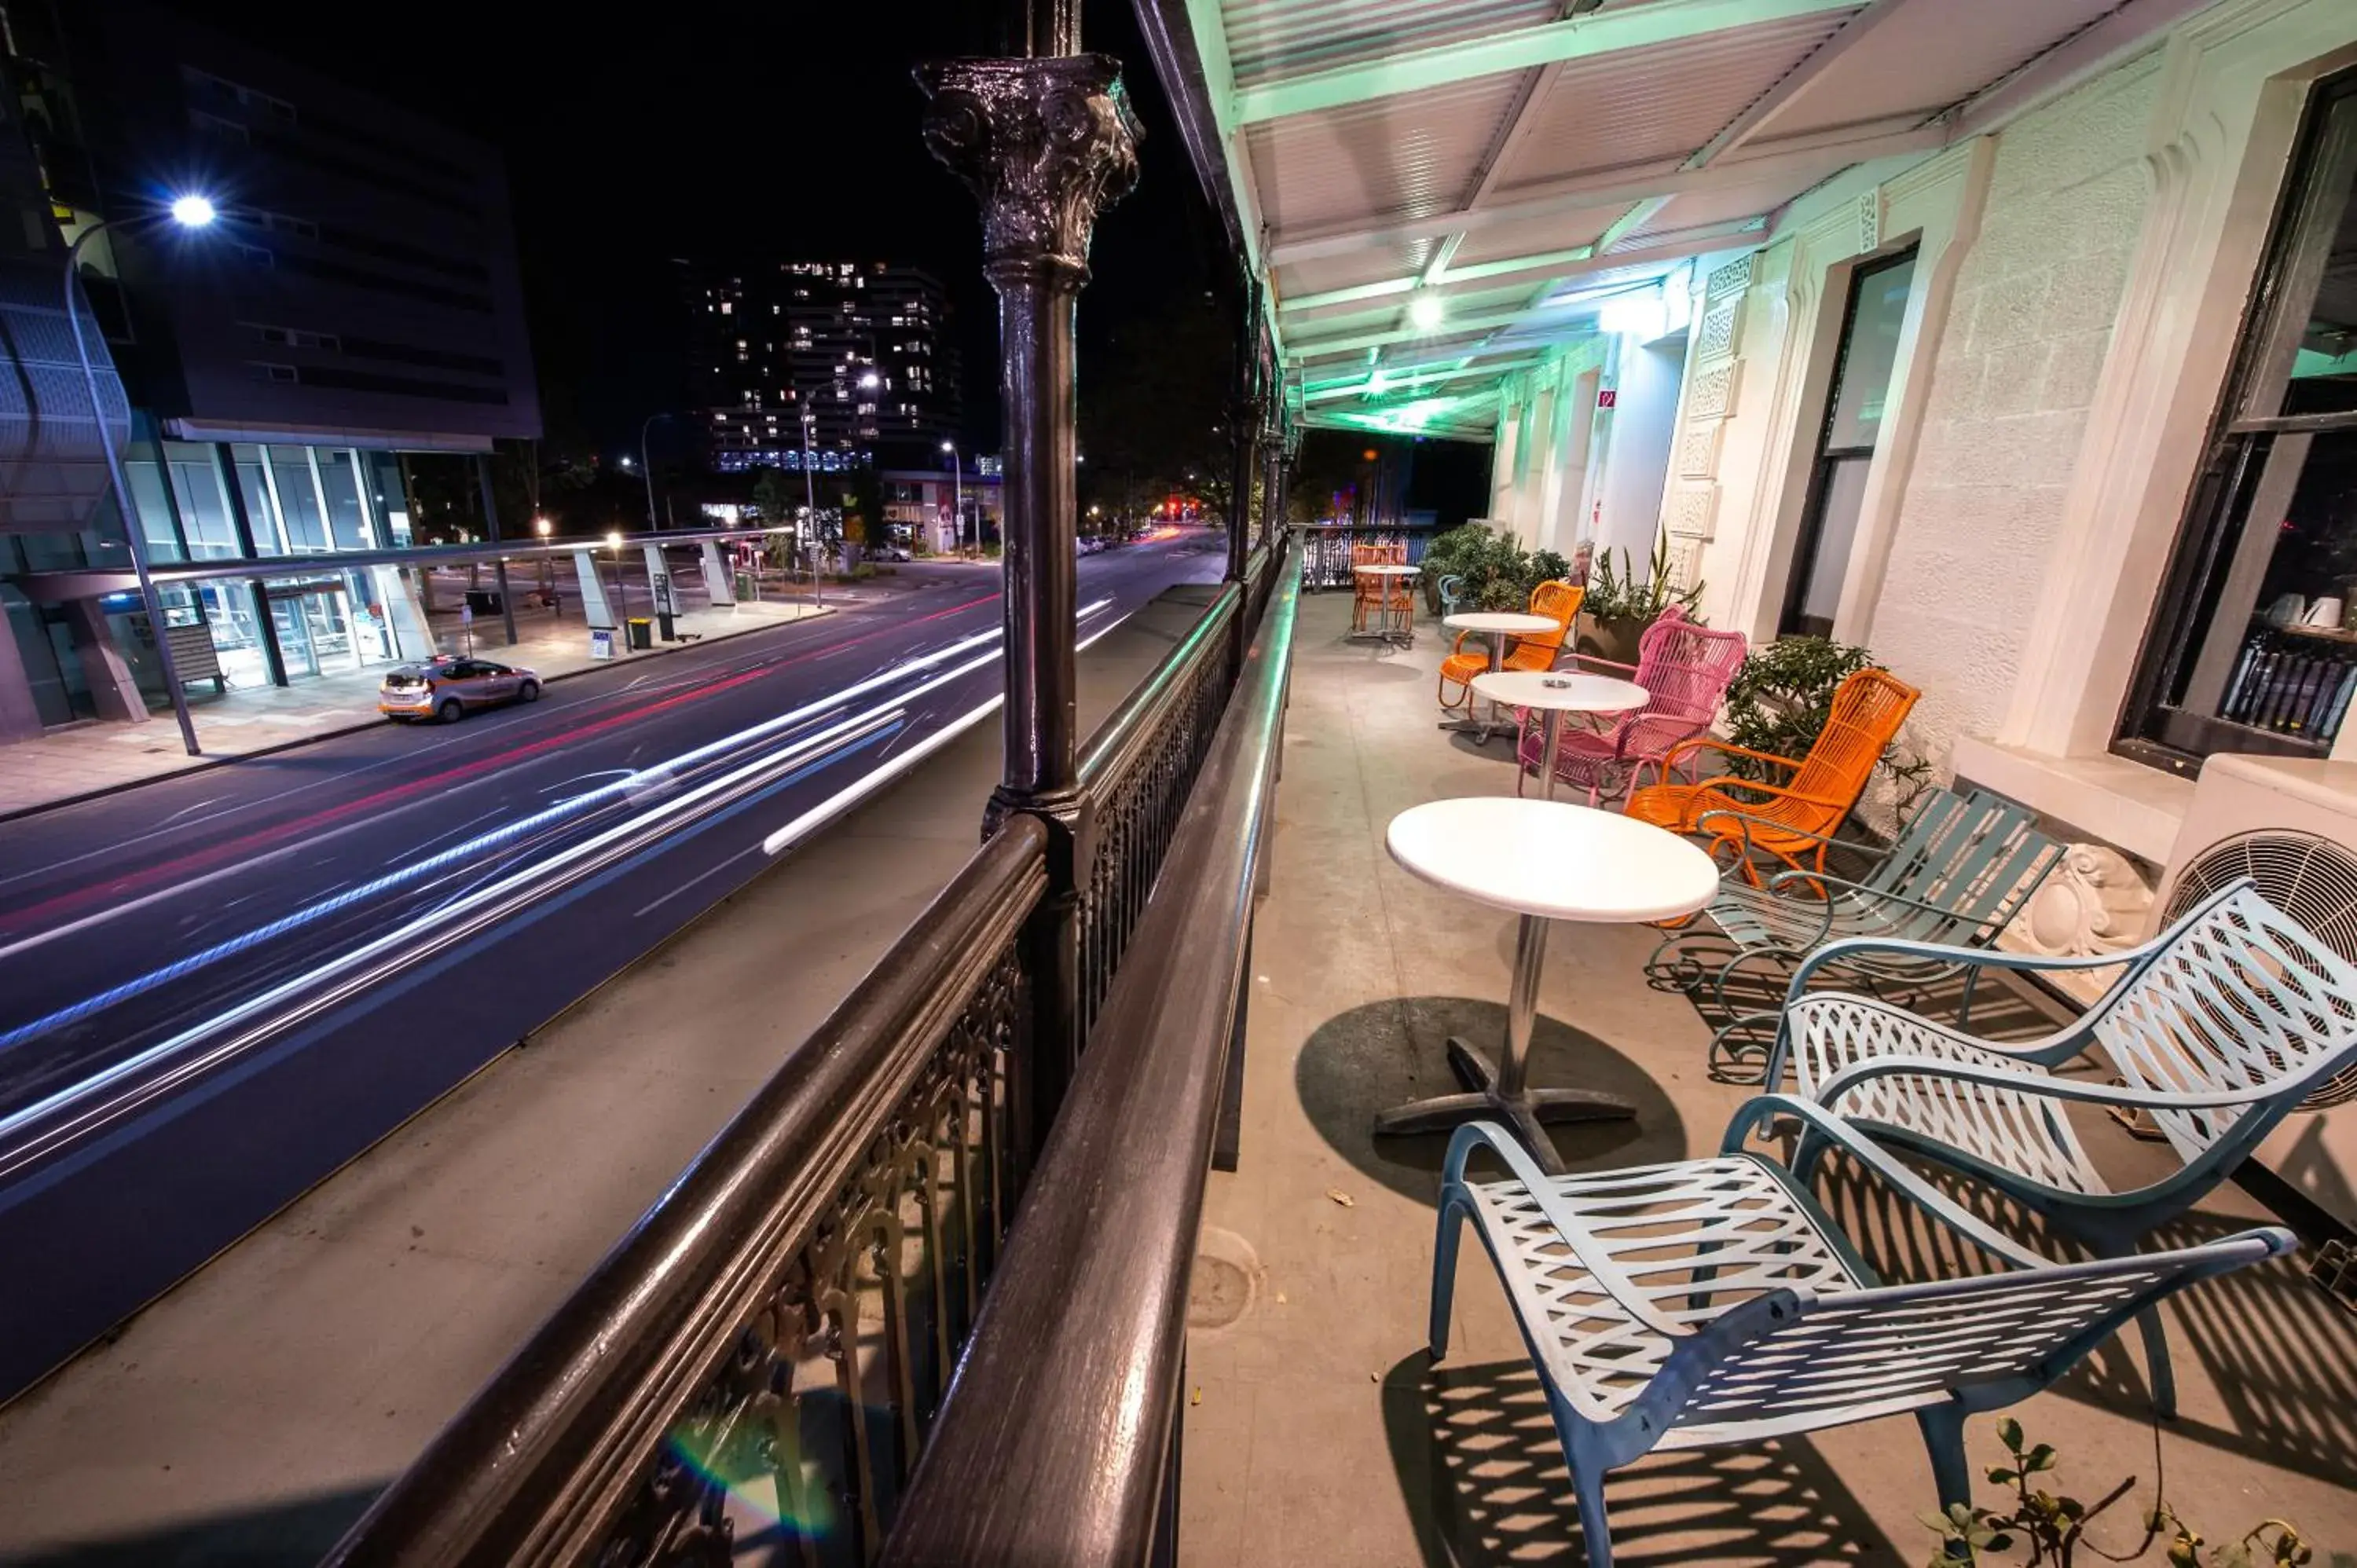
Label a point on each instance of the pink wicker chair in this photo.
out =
(1685, 667)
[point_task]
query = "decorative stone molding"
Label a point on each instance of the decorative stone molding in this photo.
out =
(1731, 279)
(1045, 144)
(1716, 340)
(1870, 220)
(1713, 392)
(2093, 902)
(1689, 513)
(1698, 450)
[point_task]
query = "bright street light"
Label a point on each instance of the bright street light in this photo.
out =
(540, 526)
(614, 539)
(628, 462)
(193, 212)
(871, 381)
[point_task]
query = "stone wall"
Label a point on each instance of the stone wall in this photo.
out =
(2025, 343)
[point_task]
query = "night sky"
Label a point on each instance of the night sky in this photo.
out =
(733, 131)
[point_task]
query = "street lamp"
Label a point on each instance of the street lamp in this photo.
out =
(957, 492)
(647, 468)
(189, 212)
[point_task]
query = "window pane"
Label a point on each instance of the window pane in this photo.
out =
(345, 517)
(2277, 651)
(306, 524)
(204, 505)
(154, 513)
(1880, 309)
(2305, 358)
(254, 488)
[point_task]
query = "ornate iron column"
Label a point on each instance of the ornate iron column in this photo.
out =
(1243, 430)
(1272, 484)
(1045, 144)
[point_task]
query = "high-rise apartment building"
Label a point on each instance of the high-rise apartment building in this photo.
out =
(861, 352)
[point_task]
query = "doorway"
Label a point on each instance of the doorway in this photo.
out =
(1871, 322)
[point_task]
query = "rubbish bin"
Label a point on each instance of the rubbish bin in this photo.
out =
(641, 632)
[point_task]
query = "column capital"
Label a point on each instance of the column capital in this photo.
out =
(1045, 144)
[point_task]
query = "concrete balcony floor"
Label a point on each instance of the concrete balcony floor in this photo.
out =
(1316, 1431)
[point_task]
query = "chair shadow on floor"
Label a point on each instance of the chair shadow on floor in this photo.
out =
(1485, 1482)
(2281, 1355)
(1382, 1054)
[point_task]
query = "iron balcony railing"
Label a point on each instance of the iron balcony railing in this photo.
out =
(770, 1347)
(1326, 552)
(1060, 1441)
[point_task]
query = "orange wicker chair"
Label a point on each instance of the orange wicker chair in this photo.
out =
(1367, 593)
(1557, 600)
(1793, 821)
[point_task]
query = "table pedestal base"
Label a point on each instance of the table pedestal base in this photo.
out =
(1526, 1111)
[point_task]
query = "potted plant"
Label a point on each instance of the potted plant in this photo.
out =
(1499, 572)
(1780, 701)
(1619, 606)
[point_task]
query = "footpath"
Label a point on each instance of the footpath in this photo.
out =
(79, 760)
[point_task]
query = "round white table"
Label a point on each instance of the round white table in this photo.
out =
(1390, 578)
(1546, 860)
(1493, 627)
(1553, 696)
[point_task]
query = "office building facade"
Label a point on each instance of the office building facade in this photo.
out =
(860, 353)
(354, 311)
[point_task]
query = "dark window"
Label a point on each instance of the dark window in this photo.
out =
(400, 386)
(1869, 350)
(2253, 646)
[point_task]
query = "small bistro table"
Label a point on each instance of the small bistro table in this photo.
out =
(1399, 630)
(1546, 860)
(1493, 627)
(1553, 696)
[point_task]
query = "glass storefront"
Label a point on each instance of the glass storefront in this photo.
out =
(298, 500)
(2254, 647)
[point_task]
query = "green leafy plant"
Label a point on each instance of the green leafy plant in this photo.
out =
(2052, 1526)
(1780, 701)
(1499, 572)
(1620, 595)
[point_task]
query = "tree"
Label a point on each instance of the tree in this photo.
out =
(1154, 411)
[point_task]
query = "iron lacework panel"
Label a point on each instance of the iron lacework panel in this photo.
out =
(1138, 787)
(802, 1439)
(757, 1366)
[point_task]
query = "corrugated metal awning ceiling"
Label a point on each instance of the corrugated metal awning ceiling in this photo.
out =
(1424, 181)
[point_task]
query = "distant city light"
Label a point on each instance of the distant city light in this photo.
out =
(626, 461)
(193, 212)
(870, 382)
(1425, 311)
(949, 446)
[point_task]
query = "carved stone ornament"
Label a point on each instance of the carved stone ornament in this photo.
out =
(1045, 144)
(2093, 902)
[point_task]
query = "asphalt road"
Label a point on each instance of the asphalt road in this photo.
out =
(217, 987)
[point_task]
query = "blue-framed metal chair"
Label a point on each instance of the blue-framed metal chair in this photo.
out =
(1711, 1302)
(1961, 868)
(1453, 596)
(2217, 1029)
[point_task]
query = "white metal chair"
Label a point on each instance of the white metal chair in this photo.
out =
(1711, 1302)
(2218, 1027)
